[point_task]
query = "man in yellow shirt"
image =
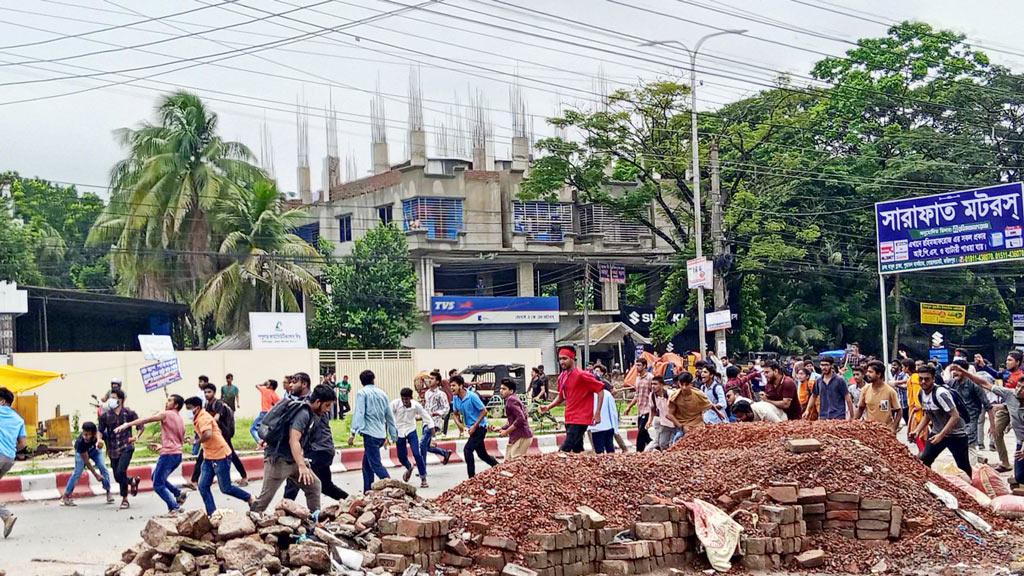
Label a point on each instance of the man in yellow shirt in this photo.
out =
(878, 400)
(217, 457)
(914, 401)
(687, 406)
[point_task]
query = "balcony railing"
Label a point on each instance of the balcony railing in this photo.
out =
(597, 219)
(542, 221)
(441, 218)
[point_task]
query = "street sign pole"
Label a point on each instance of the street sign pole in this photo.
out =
(885, 320)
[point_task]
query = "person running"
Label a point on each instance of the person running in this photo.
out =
(665, 424)
(1012, 380)
(12, 439)
(538, 385)
(577, 389)
(172, 436)
(372, 419)
(517, 427)
(941, 427)
(642, 401)
(268, 398)
(711, 386)
(879, 402)
(1013, 399)
(217, 457)
(470, 413)
(687, 406)
(603, 433)
(344, 387)
(319, 450)
(225, 418)
(120, 445)
(284, 459)
(405, 410)
(229, 393)
(436, 402)
(86, 454)
(974, 398)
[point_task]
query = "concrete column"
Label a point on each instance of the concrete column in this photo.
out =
(305, 191)
(424, 283)
(609, 296)
(525, 278)
(417, 148)
(520, 153)
(381, 162)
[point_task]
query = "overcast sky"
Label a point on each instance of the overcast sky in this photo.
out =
(67, 82)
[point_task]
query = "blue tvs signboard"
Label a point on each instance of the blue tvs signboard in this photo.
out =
(493, 310)
(964, 228)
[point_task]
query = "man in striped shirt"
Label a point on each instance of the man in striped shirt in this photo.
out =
(642, 401)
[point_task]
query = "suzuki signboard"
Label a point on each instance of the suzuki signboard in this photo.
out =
(493, 310)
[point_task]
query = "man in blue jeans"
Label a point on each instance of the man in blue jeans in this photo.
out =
(217, 457)
(172, 436)
(405, 410)
(86, 453)
(372, 419)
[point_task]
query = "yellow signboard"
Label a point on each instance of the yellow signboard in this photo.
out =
(944, 314)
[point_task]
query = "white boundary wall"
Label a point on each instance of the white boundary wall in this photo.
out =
(89, 373)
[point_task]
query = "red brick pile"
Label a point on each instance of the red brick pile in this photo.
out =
(860, 479)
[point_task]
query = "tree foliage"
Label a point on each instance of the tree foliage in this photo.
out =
(370, 302)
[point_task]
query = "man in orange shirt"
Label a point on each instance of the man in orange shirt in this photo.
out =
(217, 457)
(268, 398)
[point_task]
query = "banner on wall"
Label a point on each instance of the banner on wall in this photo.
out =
(277, 330)
(493, 310)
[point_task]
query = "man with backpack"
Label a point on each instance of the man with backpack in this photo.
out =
(285, 430)
(974, 398)
(712, 387)
(943, 425)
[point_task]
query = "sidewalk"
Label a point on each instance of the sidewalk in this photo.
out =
(51, 486)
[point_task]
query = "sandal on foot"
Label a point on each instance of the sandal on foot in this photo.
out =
(124, 505)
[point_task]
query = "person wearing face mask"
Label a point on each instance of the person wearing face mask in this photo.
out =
(120, 445)
(216, 457)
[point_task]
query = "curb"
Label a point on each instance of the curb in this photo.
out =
(30, 488)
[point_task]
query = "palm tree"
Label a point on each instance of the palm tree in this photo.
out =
(266, 259)
(157, 220)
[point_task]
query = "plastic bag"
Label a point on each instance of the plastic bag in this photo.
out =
(966, 487)
(990, 482)
(951, 469)
(1008, 506)
(945, 497)
(717, 531)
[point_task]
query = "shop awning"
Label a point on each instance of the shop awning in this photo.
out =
(607, 333)
(20, 380)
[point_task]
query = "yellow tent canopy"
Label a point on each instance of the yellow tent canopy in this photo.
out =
(20, 380)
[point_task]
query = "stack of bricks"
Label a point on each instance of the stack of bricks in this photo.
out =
(663, 540)
(784, 533)
(576, 550)
(813, 501)
(862, 518)
(407, 541)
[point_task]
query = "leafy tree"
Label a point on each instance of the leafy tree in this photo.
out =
(158, 219)
(370, 301)
(265, 257)
(17, 254)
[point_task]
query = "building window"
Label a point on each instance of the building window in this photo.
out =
(440, 217)
(384, 214)
(310, 233)
(345, 228)
(542, 221)
(598, 219)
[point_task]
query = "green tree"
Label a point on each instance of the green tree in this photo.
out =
(158, 219)
(370, 301)
(17, 252)
(265, 259)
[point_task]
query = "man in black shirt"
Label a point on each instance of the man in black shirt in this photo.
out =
(285, 459)
(120, 445)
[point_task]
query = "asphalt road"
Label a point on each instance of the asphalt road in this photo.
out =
(53, 540)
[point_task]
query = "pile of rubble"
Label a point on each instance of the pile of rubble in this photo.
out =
(388, 529)
(858, 496)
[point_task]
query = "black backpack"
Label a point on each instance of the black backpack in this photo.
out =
(274, 427)
(961, 407)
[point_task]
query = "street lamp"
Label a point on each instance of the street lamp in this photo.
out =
(697, 234)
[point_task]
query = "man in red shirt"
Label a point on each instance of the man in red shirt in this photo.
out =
(781, 391)
(577, 388)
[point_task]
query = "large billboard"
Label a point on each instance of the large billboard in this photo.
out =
(493, 310)
(963, 228)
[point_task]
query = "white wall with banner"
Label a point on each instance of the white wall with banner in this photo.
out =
(277, 330)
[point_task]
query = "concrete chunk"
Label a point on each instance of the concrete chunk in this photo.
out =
(803, 445)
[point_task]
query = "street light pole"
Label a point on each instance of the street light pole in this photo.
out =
(695, 166)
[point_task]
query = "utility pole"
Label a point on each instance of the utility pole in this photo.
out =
(896, 328)
(718, 247)
(587, 294)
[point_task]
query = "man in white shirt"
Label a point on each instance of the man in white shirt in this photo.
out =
(750, 411)
(435, 400)
(405, 411)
